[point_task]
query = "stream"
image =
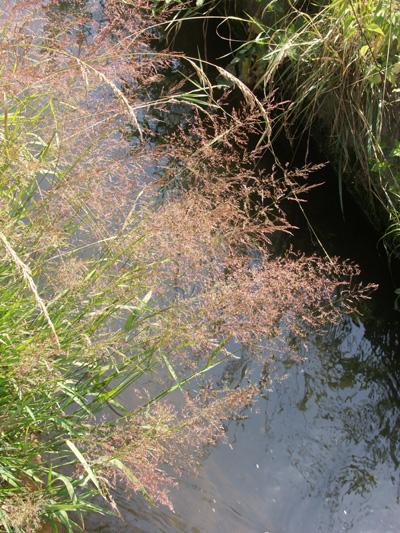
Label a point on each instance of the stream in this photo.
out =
(320, 449)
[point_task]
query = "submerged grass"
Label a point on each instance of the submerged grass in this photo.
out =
(109, 287)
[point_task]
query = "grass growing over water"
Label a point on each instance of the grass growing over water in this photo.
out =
(336, 65)
(111, 298)
(340, 63)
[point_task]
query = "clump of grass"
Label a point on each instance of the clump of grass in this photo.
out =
(337, 64)
(111, 282)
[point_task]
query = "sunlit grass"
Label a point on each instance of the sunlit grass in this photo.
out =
(105, 289)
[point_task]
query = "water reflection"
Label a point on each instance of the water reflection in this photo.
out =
(319, 453)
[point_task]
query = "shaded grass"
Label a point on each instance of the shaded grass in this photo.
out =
(337, 64)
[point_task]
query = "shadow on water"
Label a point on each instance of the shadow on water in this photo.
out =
(320, 450)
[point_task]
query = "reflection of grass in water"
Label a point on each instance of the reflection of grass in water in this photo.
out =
(352, 381)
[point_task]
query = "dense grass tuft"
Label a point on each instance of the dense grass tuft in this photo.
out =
(118, 288)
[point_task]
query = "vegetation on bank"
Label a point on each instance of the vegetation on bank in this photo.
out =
(127, 266)
(336, 64)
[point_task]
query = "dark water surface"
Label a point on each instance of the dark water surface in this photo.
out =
(318, 453)
(320, 450)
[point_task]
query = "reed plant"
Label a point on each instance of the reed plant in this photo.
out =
(337, 65)
(119, 286)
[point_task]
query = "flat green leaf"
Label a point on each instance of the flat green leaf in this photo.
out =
(171, 370)
(84, 463)
(130, 321)
(375, 28)
(68, 485)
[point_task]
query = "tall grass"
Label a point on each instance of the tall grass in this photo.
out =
(115, 289)
(337, 64)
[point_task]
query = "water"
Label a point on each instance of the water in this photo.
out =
(319, 450)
